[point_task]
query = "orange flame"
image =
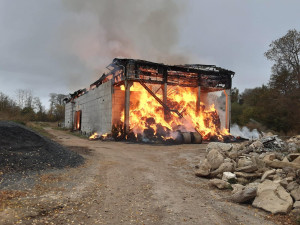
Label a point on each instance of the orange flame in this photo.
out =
(94, 136)
(146, 112)
(98, 136)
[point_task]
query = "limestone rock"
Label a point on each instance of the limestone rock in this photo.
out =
(224, 167)
(242, 180)
(284, 183)
(297, 160)
(276, 178)
(279, 156)
(244, 195)
(293, 147)
(289, 179)
(285, 159)
(237, 147)
(273, 198)
(296, 194)
(297, 205)
(221, 184)
(253, 185)
(248, 175)
(295, 212)
(267, 174)
(236, 188)
(227, 160)
(247, 169)
(261, 165)
(280, 164)
(294, 139)
(219, 146)
(270, 157)
(268, 134)
(292, 186)
(204, 169)
(256, 144)
(242, 162)
(233, 154)
(228, 175)
(215, 158)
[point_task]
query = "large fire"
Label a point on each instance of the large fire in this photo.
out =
(147, 116)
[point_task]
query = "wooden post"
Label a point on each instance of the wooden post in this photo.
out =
(128, 84)
(198, 103)
(165, 97)
(227, 108)
(165, 93)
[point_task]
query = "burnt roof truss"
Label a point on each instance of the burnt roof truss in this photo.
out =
(208, 77)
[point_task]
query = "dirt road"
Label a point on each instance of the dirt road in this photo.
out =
(125, 183)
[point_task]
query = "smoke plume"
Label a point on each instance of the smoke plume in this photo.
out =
(244, 132)
(95, 32)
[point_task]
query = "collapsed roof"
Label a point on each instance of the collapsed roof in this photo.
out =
(208, 77)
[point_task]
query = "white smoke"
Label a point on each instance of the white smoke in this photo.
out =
(244, 132)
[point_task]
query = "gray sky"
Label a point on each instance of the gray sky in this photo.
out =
(63, 45)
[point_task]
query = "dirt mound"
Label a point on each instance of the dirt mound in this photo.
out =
(22, 149)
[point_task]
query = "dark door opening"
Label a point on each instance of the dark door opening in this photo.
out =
(77, 120)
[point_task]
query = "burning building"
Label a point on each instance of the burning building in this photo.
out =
(142, 100)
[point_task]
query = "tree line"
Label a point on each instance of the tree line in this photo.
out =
(26, 107)
(275, 105)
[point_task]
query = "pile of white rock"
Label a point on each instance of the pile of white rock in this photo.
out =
(265, 172)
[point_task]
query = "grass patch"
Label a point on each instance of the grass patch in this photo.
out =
(61, 128)
(20, 122)
(39, 128)
(77, 134)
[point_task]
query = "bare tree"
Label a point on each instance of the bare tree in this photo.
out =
(37, 104)
(24, 98)
(56, 99)
(285, 51)
(57, 107)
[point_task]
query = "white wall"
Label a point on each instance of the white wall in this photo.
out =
(96, 107)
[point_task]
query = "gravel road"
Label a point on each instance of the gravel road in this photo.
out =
(125, 183)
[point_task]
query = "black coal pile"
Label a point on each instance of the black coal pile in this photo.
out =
(22, 149)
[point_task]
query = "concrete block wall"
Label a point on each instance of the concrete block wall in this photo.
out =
(96, 110)
(68, 115)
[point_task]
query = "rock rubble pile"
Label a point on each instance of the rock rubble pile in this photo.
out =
(264, 172)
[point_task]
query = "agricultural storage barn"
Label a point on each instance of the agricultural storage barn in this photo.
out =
(144, 99)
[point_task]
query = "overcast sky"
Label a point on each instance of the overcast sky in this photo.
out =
(63, 45)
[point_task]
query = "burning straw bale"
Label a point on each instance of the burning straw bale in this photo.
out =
(264, 172)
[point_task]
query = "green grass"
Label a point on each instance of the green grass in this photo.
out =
(20, 122)
(77, 134)
(61, 128)
(39, 128)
